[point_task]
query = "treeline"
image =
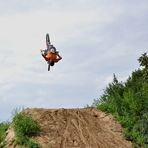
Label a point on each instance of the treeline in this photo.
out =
(128, 102)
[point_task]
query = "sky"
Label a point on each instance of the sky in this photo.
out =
(96, 38)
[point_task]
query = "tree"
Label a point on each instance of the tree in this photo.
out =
(143, 60)
(128, 102)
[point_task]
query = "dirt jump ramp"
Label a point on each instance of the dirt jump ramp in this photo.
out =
(78, 128)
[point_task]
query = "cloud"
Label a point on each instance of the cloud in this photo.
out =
(95, 39)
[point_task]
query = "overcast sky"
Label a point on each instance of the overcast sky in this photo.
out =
(96, 38)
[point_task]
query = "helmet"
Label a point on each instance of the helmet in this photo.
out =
(52, 63)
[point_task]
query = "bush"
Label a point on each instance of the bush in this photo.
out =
(128, 102)
(25, 127)
(3, 129)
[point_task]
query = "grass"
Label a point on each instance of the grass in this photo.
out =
(3, 128)
(25, 127)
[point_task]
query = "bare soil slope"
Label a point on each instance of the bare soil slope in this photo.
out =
(77, 128)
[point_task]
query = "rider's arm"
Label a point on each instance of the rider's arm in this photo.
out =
(59, 57)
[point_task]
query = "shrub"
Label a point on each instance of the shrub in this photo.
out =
(3, 128)
(128, 102)
(25, 127)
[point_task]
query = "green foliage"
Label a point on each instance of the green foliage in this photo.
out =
(25, 127)
(3, 129)
(143, 60)
(128, 102)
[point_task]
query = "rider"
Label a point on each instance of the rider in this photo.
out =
(51, 54)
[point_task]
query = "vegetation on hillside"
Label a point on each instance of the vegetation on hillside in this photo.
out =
(25, 127)
(3, 128)
(128, 102)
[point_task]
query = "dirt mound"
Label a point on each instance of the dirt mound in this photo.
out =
(77, 128)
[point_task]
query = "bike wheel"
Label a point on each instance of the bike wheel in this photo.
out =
(47, 41)
(48, 67)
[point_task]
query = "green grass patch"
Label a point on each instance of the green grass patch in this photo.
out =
(3, 128)
(25, 127)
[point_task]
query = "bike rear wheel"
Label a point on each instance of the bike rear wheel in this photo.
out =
(47, 41)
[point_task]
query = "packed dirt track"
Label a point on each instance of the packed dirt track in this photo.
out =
(77, 128)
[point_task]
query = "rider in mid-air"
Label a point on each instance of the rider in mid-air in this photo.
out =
(50, 54)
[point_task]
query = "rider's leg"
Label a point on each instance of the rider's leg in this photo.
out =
(53, 50)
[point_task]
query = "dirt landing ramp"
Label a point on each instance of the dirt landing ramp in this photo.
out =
(77, 128)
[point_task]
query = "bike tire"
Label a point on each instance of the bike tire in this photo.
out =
(47, 40)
